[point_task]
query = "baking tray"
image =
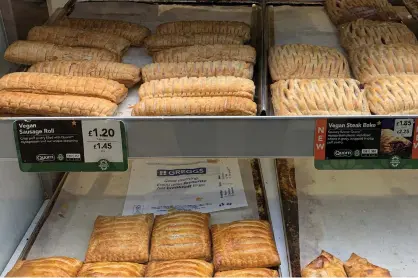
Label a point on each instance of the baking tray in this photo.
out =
(69, 219)
(371, 213)
(151, 15)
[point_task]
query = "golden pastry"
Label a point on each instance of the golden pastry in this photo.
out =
(392, 144)
(31, 52)
(373, 61)
(248, 272)
(46, 267)
(393, 95)
(155, 43)
(326, 265)
(203, 53)
(342, 11)
(133, 32)
(412, 6)
(24, 104)
(109, 269)
(76, 37)
(243, 244)
(307, 61)
(296, 97)
(197, 106)
(181, 235)
(125, 74)
(357, 266)
(220, 86)
(368, 32)
(179, 268)
(120, 239)
(53, 84)
(159, 71)
(231, 28)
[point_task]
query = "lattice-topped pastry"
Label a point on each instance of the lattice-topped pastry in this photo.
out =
(181, 235)
(248, 272)
(307, 61)
(393, 95)
(325, 96)
(120, 239)
(157, 43)
(342, 11)
(203, 53)
(326, 265)
(110, 269)
(357, 266)
(180, 268)
(232, 28)
(243, 244)
(198, 87)
(157, 71)
(46, 267)
(368, 32)
(373, 61)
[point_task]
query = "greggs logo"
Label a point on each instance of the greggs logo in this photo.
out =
(179, 172)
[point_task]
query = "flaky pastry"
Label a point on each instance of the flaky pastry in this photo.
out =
(180, 268)
(77, 37)
(203, 53)
(46, 267)
(53, 84)
(181, 235)
(368, 32)
(243, 244)
(357, 266)
(232, 28)
(393, 95)
(248, 272)
(21, 103)
(31, 52)
(326, 265)
(109, 269)
(295, 97)
(155, 43)
(157, 71)
(198, 87)
(125, 74)
(342, 11)
(373, 61)
(197, 106)
(133, 32)
(307, 61)
(120, 239)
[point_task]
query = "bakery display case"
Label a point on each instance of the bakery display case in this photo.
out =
(240, 87)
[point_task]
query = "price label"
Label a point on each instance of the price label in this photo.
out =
(71, 145)
(404, 127)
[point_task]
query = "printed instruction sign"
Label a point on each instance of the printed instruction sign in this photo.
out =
(71, 145)
(162, 185)
(376, 143)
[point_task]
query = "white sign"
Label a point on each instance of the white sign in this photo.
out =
(102, 139)
(162, 185)
(404, 127)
